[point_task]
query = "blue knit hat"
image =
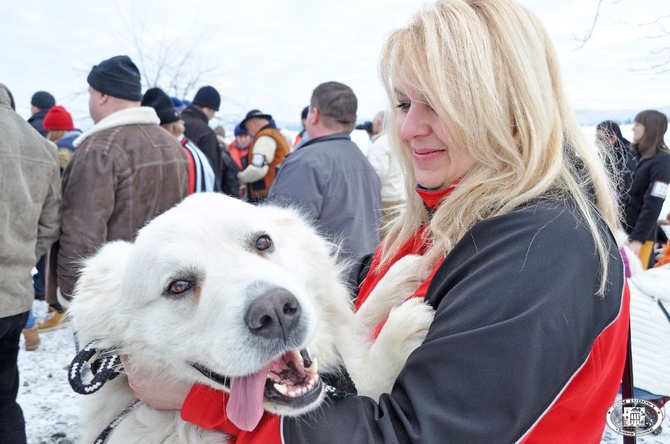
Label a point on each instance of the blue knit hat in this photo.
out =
(239, 131)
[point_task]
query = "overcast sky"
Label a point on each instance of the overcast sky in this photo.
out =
(270, 54)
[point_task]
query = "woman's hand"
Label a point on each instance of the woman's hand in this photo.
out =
(159, 394)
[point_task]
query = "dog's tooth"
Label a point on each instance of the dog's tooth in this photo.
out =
(314, 367)
(298, 357)
(281, 388)
(292, 394)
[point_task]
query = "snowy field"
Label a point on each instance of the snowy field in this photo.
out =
(51, 407)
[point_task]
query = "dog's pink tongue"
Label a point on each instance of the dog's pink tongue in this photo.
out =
(245, 405)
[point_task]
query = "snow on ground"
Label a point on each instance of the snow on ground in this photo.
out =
(51, 408)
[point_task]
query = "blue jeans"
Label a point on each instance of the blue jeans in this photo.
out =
(30, 323)
(12, 423)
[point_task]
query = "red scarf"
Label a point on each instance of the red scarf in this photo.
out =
(414, 245)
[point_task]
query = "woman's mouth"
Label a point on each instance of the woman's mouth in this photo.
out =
(425, 154)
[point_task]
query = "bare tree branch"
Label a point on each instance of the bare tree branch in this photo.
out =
(175, 64)
(589, 33)
(658, 19)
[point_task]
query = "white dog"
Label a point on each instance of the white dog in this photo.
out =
(244, 299)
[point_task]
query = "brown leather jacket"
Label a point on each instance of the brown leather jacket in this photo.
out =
(118, 179)
(259, 189)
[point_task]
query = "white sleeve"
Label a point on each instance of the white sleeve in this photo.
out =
(262, 155)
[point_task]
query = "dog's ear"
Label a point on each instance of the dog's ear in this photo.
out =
(98, 289)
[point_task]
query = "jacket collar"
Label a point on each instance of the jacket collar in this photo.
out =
(131, 116)
(335, 136)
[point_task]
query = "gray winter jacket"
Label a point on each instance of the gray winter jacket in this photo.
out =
(330, 179)
(30, 199)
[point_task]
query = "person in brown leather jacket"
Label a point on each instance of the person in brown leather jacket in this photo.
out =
(126, 170)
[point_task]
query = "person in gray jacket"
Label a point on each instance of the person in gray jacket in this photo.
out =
(126, 170)
(329, 177)
(30, 199)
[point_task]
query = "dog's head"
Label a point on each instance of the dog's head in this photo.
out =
(224, 293)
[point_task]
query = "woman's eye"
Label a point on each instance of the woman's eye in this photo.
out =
(179, 286)
(263, 243)
(404, 106)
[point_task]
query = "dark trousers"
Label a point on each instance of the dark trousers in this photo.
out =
(12, 424)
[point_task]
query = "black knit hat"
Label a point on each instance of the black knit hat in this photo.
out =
(42, 100)
(117, 77)
(254, 114)
(209, 97)
(161, 102)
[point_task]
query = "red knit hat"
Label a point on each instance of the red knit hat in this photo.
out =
(57, 118)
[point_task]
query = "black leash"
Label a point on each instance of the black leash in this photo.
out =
(339, 384)
(102, 437)
(105, 366)
(627, 383)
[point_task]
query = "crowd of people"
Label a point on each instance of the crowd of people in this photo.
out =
(478, 165)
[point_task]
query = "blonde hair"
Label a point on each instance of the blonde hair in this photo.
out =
(490, 72)
(175, 128)
(55, 135)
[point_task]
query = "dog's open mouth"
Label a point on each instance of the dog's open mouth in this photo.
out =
(291, 380)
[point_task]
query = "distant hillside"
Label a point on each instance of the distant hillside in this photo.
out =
(593, 117)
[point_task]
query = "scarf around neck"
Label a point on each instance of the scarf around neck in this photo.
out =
(416, 244)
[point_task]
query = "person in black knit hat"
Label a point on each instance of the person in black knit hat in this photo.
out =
(203, 178)
(126, 170)
(40, 103)
(196, 117)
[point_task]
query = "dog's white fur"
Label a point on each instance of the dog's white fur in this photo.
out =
(121, 304)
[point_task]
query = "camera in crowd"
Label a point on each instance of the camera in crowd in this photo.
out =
(367, 126)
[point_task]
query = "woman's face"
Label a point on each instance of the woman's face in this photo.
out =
(638, 132)
(436, 159)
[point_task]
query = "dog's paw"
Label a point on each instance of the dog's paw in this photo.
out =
(404, 331)
(398, 284)
(407, 327)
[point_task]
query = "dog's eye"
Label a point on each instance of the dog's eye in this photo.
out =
(263, 243)
(179, 286)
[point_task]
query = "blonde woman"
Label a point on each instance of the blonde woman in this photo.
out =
(513, 212)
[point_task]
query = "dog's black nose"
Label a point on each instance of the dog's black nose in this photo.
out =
(274, 315)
